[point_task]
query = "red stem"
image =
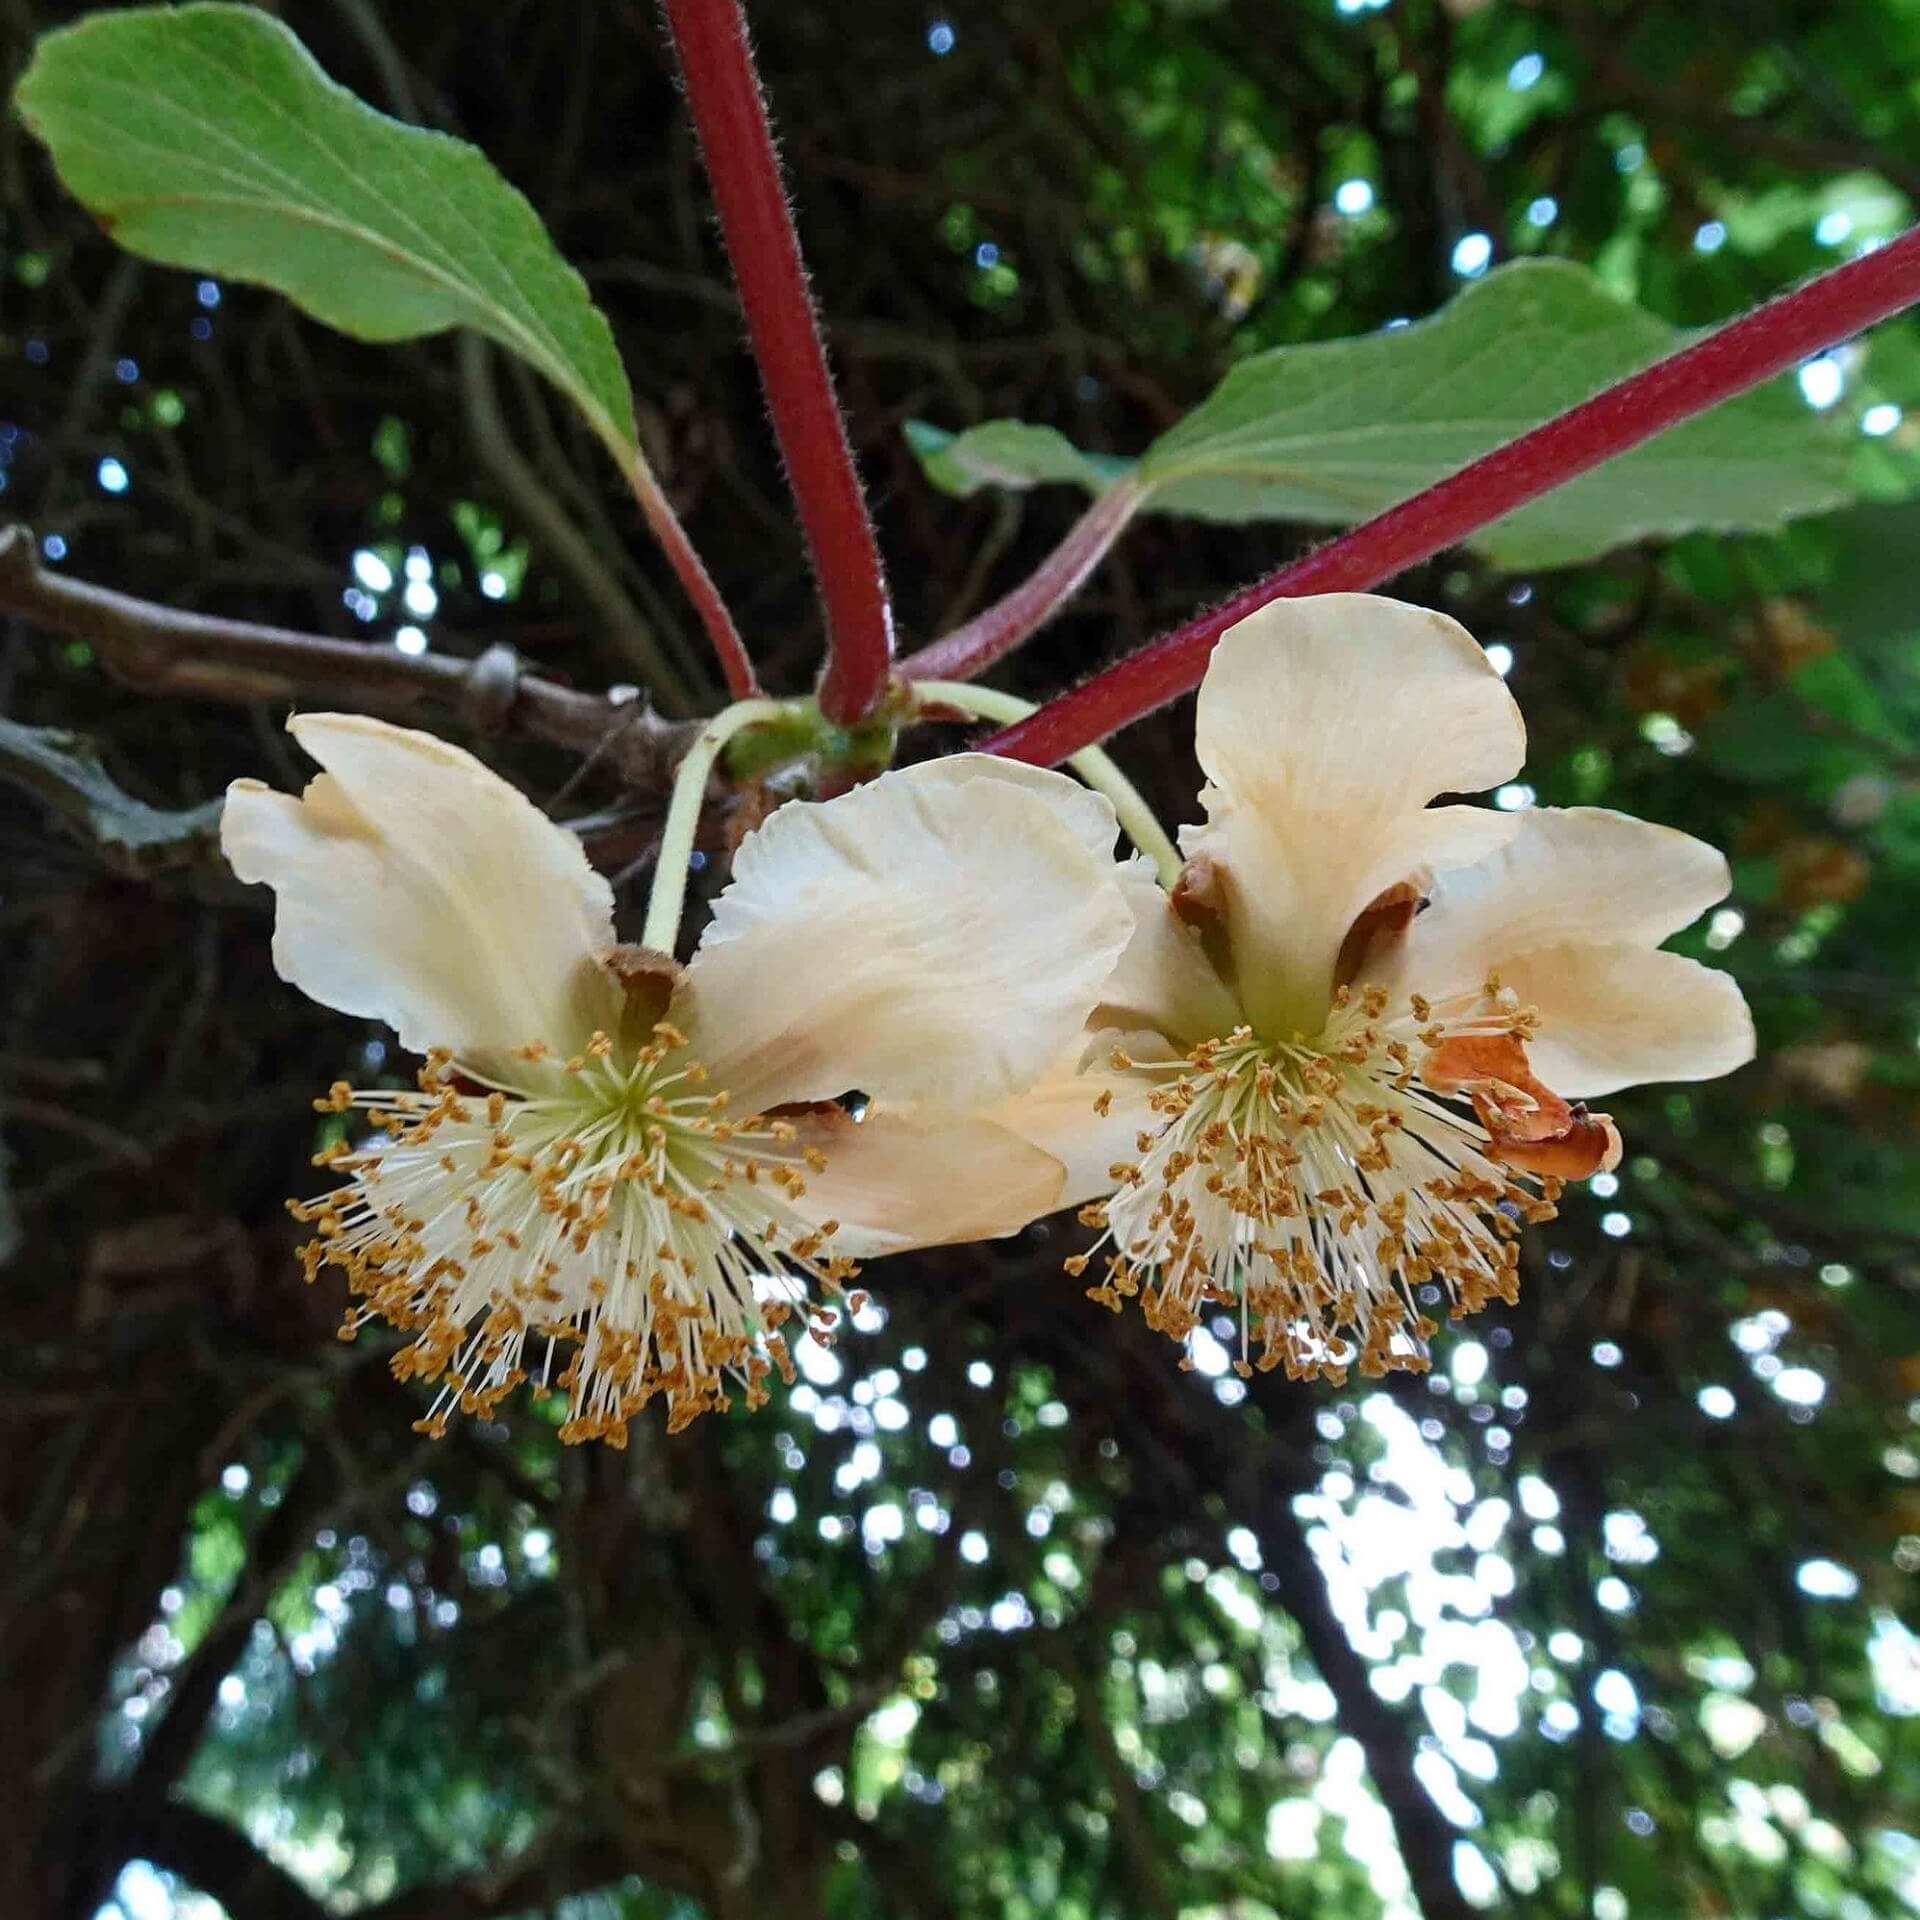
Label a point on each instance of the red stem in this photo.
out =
(998, 629)
(684, 557)
(1740, 355)
(730, 113)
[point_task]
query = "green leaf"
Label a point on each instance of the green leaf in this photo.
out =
(65, 771)
(1010, 454)
(1333, 432)
(207, 137)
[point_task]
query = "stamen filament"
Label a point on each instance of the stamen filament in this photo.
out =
(604, 1203)
(1315, 1187)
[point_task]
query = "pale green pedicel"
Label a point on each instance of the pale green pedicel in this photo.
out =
(669, 893)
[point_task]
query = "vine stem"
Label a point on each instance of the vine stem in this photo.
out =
(1098, 769)
(997, 630)
(736, 140)
(1739, 355)
(669, 895)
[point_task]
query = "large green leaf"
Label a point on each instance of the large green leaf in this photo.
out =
(207, 137)
(1331, 433)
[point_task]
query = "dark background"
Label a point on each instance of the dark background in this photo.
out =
(1602, 1618)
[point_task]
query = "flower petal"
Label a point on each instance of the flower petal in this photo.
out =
(1576, 875)
(1059, 1114)
(894, 1181)
(1164, 979)
(1325, 726)
(919, 940)
(1621, 1016)
(1088, 813)
(416, 886)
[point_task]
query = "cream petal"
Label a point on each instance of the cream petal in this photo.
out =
(1623, 1016)
(1572, 876)
(414, 885)
(1088, 813)
(922, 941)
(1325, 726)
(1164, 980)
(894, 1181)
(1057, 1114)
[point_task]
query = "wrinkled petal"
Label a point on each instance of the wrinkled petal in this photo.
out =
(1493, 1068)
(1572, 876)
(1621, 1016)
(1164, 979)
(1062, 1114)
(1591, 1144)
(923, 941)
(1325, 726)
(414, 885)
(894, 1181)
(1089, 814)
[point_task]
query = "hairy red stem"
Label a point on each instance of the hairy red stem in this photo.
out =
(736, 140)
(998, 629)
(1740, 355)
(684, 557)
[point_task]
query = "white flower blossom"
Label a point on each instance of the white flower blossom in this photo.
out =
(1343, 1060)
(651, 1164)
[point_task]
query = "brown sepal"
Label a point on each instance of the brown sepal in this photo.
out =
(1199, 896)
(1386, 918)
(648, 978)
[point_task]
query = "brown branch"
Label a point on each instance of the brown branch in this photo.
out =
(1206, 1450)
(170, 1746)
(205, 1851)
(163, 650)
(539, 1879)
(1123, 1790)
(1426, 1837)
(218, 1859)
(1622, 83)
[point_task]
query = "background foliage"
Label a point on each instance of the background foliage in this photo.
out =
(1000, 1613)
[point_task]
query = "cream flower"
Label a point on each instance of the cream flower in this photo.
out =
(656, 1162)
(1342, 1060)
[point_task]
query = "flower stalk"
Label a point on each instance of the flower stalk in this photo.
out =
(736, 139)
(1739, 355)
(669, 895)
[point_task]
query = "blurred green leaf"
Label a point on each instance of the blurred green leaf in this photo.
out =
(1010, 454)
(65, 771)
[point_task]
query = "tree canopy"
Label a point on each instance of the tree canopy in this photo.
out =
(1006, 1607)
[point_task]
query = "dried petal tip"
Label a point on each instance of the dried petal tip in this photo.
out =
(1529, 1126)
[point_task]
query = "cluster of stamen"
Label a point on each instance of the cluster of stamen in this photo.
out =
(1313, 1188)
(604, 1208)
